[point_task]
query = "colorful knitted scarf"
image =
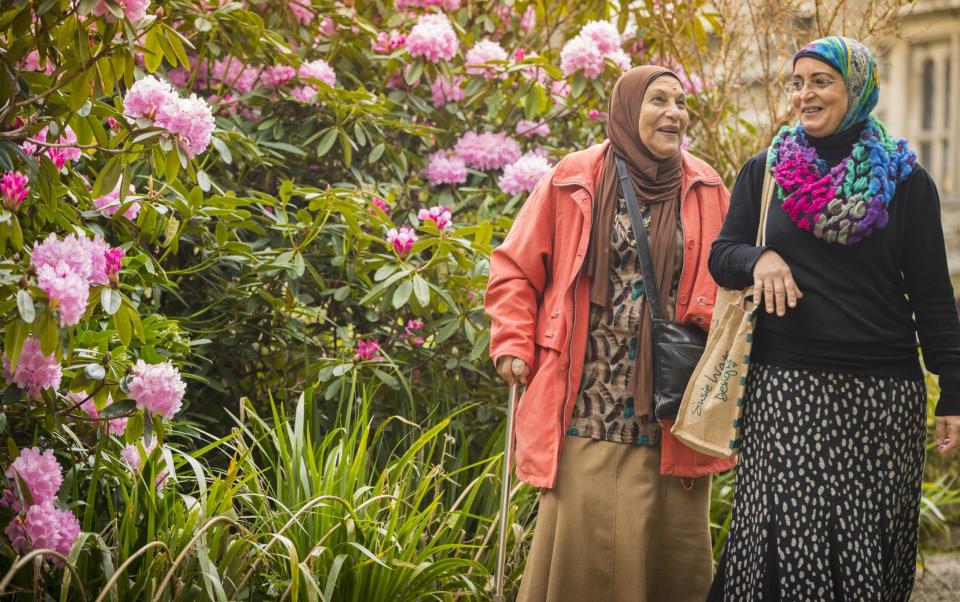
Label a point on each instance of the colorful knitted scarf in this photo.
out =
(847, 203)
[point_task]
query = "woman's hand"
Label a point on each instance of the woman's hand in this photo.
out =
(773, 280)
(512, 369)
(948, 434)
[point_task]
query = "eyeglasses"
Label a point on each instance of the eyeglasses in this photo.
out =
(818, 83)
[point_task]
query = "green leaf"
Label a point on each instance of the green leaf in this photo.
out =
(110, 300)
(25, 306)
(172, 165)
(413, 75)
(402, 294)
(153, 51)
(108, 177)
(46, 327)
(118, 409)
(346, 147)
(223, 149)
(422, 290)
(203, 180)
(376, 153)
(16, 334)
(122, 322)
(147, 429)
(384, 272)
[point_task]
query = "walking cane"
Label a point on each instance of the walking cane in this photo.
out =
(505, 494)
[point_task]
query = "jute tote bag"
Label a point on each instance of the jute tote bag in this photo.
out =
(709, 417)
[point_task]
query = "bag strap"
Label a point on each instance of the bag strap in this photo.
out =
(766, 194)
(650, 290)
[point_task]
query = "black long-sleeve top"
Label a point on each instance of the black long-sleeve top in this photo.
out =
(863, 304)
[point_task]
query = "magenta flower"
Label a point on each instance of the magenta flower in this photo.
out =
(301, 11)
(487, 151)
(402, 239)
(368, 350)
(433, 38)
(382, 204)
(44, 526)
(277, 75)
(483, 52)
(67, 291)
(113, 259)
(320, 70)
(157, 388)
(444, 168)
(519, 54)
(444, 90)
(35, 371)
(190, 121)
(109, 204)
(595, 114)
(386, 43)
(523, 175)
(40, 472)
(133, 10)
(13, 188)
(410, 328)
(529, 129)
(65, 150)
(439, 215)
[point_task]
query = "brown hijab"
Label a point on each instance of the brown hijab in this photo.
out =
(657, 183)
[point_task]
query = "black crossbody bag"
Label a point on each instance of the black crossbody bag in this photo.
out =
(676, 347)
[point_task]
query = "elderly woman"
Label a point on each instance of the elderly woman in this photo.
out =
(828, 486)
(621, 516)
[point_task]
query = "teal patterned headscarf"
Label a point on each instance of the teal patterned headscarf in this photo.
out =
(855, 63)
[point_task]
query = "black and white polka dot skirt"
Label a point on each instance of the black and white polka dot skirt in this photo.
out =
(827, 499)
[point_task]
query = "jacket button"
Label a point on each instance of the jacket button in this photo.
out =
(700, 320)
(668, 469)
(701, 300)
(690, 244)
(683, 299)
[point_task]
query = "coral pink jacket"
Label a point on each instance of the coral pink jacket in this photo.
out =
(539, 303)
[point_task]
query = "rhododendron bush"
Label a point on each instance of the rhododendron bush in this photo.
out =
(211, 207)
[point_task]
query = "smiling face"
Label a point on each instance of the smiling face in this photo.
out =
(663, 117)
(820, 106)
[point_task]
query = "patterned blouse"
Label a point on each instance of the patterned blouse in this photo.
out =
(605, 407)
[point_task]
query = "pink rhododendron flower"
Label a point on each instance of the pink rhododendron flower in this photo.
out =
(382, 204)
(402, 239)
(603, 34)
(595, 114)
(40, 471)
(131, 454)
(68, 291)
(109, 204)
(31, 62)
(133, 10)
(445, 91)
(97, 250)
(65, 151)
(386, 43)
(433, 38)
(318, 69)
(145, 97)
(523, 175)
(190, 121)
(113, 259)
(327, 27)
(72, 250)
(44, 526)
(305, 94)
(414, 325)
(115, 426)
(301, 11)
(581, 53)
(13, 188)
(444, 4)
(444, 168)
(529, 129)
(35, 371)
(487, 151)
(157, 388)
(277, 75)
(234, 73)
(178, 77)
(478, 56)
(529, 19)
(519, 54)
(439, 215)
(559, 90)
(368, 350)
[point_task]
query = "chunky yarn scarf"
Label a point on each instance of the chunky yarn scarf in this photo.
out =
(847, 203)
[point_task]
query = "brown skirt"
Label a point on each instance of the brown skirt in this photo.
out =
(614, 529)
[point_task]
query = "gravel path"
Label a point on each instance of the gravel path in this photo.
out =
(939, 581)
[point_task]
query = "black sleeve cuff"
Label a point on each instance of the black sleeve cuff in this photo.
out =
(949, 403)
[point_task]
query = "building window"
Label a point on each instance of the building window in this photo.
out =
(930, 118)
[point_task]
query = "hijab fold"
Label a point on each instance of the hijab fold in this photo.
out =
(657, 184)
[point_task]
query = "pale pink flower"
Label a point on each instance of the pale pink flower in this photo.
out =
(131, 454)
(529, 129)
(327, 27)
(68, 291)
(301, 11)
(277, 75)
(433, 38)
(368, 350)
(414, 325)
(97, 249)
(439, 215)
(133, 10)
(444, 168)
(523, 175)
(72, 250)
(529, 19)
(109, 204)
(444, 4)
(318, 69)
(65, 151)
(13, 188)
(402, 239)
(190, 121)
(386, 43)
(178, 77)
(234, 73)
(44, 526)
(305, 94)
(146, 96)
(482, 52)
(604, 35)
(157, 388)
(581, 53)
(35, 371)
(487, 150)
(40, 471)
(32, 63)
(115, 426)
(560, 90)
(621, 59)
(445, 91)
